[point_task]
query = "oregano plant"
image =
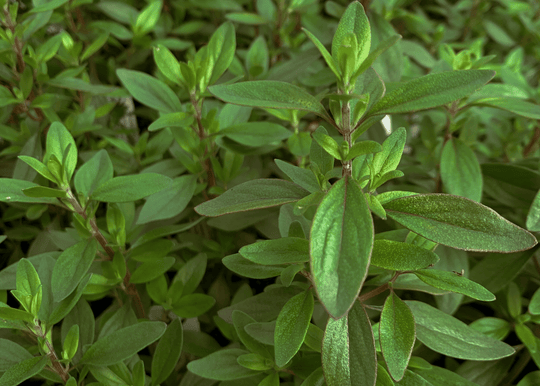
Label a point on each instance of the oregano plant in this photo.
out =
(269, 193)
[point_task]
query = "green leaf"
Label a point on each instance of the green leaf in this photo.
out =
(60, 310)
(431, 91)
(149, 91)
(330, 61)
(240, 321)
(152, 269)
(71, 266)
(23, 370)
(9, 313)
(147, 19)
(221, 366)
(449, 336)
(533, 217)
(459, 223)
(460, 170)
(168, 64)
(443, 377)
(534, 305)
(221, 48)
(256, 194)
(397, 334)
(247, 268)
(353, 20)
(167, 352)
(71, 342)
(95, 46)
(256, 362)
(303, 177)
(169, 202)
(451, 281)
(319, 156)
(378, 51)
(94, 172)
(257, 57)
(514, 105)
(328, 143)
(29, 285)
(38, 166)
(348, 352)
(130, 188)
(392, 149)
(59, 140)
(171, 120)
(316, 378)
(383, 378)
(42, 191)
(246, 18)
(256, 134)
(286, 250)
(531, 379)
(340, 246)
(493, 327)
(11, 354)
(269, 94)
(363, 147)
(398, 256)
(291, 327)
(191, 306)
(123, 343)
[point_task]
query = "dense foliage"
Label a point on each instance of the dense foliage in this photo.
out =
(270, 192)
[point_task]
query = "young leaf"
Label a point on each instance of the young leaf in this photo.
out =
(348, 351)
(147, 19)
(240, 321)
(460, 170)
(130, 188)
(95, 172)
(392, 149)
(324, 52)
(291, 327)
(286, 250)
(23, 370)
(340, 246)
(373, 55)
(168, 64)
(39, 167)
(256, 194)
(71, 267)
(328, 143)
(149, 91)
(449, 336)
(269, 94)
(123, 343)
(398, 256)
(319, 156)
(221, 366)
(363, 147)
(353, 20)
(431, 91)
(167, 352)
(450, 281)
(303, 177)
(221, 48)
(397, 335)
(459, 223)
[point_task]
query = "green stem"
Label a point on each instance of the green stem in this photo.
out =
(56, 365)
(347, 136)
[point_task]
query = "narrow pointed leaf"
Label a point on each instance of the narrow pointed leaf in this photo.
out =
(451, 281)
(349, 357)
(269, 94)
(459, 223)
(291, 326)
(514, 105)
(286, 250)
(256, 194)
(431, 91)
(221, 366)
(398, 256)
(353, 20)
(131, 188)
(392, 149)
(397, 335)
(449, 336)
(324, 52)
(167, 352)
(340, 246)
(373, 55)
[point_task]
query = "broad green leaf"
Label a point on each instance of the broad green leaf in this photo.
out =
(14, 314)
(240, 321)
(443, 377)
(149, 91)
(459, 223)
(38, 166)
(319, 156)
(413, 379)
(191, 306)
(340, 246)
(256, 194)
(460, 170)
(256, 134)
(271, 380)
(42, 191)
(246, 18)
(328, 143)
(147, 19)
(449, 336)
(256, 362)
(95, 172)
(431, 91)
(286, 250)
(398, 256)
(348, 352)
(23, 370)
(451, 281)
(192, 273)
(167, 352)
(314, 338)
(169, 202)
(152, 269)
(130, 188)
(247, 268)
(71, 267)
(392, 149)
(303, 177)
(262, 332)
(61, 309)
(291, 327)
(221, 366)
(123, 343)
(59, 139)
(531, 379)
(316, 378)
(353, 20)
(11, 354)
(493, 327)
(363, 147)
(533, 217)
(383, 378)
(168, 64)
(269, 94)
(257, 57)
(221, 48)
(397, 334)
(514, 105)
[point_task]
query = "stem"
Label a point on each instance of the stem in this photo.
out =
(534, 140)
(381, 289)
(129, 288)
(346, 119)
(202, 135)
(56, 365)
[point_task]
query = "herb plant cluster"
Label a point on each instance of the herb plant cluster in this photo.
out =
(264, 193)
